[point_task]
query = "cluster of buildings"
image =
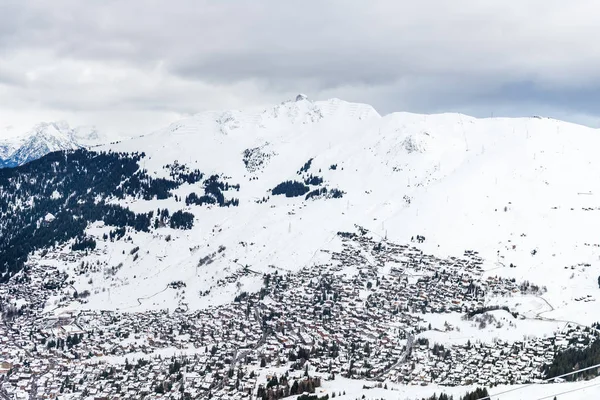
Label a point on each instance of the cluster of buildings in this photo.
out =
(358, 316)
(497, 363)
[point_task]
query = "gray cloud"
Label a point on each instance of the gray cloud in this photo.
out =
(172, 58)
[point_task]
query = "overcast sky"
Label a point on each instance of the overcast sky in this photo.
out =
(135, 65)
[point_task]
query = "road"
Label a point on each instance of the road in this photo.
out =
(266, 332)
(3, 394)
(239, 355)
(539, 317)
(410, 341)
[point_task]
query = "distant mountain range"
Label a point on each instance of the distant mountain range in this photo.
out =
(45, 138)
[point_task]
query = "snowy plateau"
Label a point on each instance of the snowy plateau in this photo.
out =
(342, 252)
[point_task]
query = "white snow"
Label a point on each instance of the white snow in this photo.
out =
(47, 137)
(354, 389)
(49, 217)
(500, 186)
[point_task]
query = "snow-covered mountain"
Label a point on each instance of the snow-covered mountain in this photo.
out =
(451, 228)
(45, 138)
(501, 186)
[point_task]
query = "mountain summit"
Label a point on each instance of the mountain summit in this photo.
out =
(45, 138)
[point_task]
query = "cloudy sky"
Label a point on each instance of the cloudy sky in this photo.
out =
(133, 66)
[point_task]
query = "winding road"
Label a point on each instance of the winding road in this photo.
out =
(410, 342)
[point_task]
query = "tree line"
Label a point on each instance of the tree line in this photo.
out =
(52, 200)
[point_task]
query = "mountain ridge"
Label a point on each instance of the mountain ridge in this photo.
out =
(44, 138)
(391, 174)
(396, 167)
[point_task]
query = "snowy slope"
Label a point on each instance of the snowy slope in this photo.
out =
(8, 145)
(355, 389)
(503, 187)
(45, 138)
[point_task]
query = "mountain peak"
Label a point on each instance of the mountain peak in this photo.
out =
(60, 126)
(44, 138)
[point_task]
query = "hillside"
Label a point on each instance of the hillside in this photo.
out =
(503, 187)
(441, 229)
